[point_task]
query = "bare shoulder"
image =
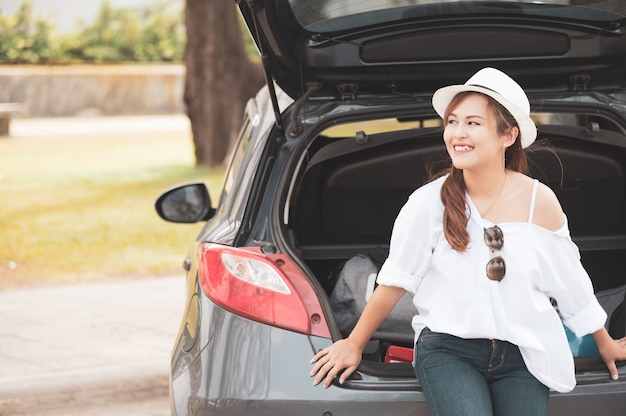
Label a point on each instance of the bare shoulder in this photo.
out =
(548, 210)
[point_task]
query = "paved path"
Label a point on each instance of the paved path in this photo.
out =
(41, 127)
(60, 343)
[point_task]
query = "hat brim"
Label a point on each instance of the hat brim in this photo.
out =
(528, 130)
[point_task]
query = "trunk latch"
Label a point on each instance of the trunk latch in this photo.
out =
(580, 83)
(348, 91)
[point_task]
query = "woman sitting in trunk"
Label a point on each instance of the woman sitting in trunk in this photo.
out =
(488, 339)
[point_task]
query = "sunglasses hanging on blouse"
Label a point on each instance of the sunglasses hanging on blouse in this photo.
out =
(494, 239)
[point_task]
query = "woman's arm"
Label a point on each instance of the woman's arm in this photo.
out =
(610, 349)
(346, 354)
(550, 216)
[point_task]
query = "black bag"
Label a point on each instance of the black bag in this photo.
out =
(355, 283)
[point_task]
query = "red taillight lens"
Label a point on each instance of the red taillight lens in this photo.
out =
(267, 289)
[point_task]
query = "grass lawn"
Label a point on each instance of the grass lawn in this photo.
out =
(80, 208)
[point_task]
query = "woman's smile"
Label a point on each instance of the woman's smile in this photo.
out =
(463, 148)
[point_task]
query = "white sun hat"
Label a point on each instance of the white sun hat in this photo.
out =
(500, 87)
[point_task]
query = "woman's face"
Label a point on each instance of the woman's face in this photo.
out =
(471, 135)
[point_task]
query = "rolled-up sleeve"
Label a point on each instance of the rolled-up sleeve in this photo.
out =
(566, 280)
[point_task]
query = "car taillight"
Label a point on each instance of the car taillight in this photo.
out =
(264, 288)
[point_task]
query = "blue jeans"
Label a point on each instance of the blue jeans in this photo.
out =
(476, 377)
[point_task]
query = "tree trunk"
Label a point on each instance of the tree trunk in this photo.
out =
(220, 77)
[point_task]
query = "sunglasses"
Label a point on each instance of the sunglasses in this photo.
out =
(494, 238)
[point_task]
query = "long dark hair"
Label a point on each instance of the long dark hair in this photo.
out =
(455, 215)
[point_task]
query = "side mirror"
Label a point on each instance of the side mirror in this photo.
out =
(187, 204)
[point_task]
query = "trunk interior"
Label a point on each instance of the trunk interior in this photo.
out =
(347, 196)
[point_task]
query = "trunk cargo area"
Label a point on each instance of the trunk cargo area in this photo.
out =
(348, 195)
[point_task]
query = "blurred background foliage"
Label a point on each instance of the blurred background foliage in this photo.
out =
(151, 34)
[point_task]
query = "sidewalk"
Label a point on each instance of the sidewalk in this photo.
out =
(59, 343)
(40, 127)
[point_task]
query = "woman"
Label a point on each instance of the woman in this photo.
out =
(488, 339)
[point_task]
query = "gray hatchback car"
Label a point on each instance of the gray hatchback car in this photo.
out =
(329, 151)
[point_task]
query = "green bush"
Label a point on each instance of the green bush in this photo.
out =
(153, 34)
(22, 40)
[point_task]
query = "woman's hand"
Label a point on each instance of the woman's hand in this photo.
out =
(611, 350)
(346, 354)
(329, 362)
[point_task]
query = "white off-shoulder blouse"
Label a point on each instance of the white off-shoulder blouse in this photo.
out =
(453, 295)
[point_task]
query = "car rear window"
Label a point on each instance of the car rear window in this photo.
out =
(342, 15)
